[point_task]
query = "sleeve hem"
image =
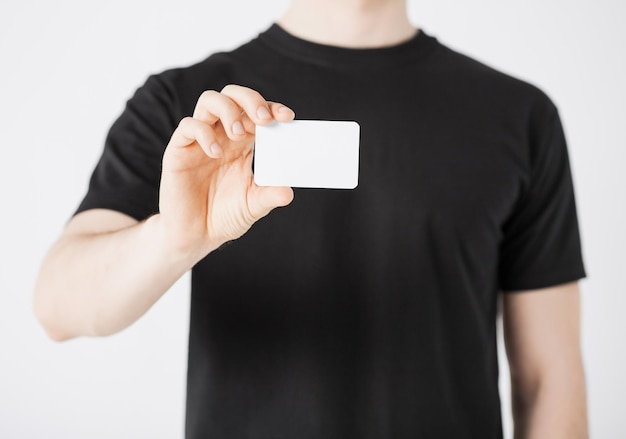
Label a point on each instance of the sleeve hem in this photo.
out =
(544, 280)
(137, 210)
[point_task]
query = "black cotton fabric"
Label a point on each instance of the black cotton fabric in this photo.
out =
(366, 313)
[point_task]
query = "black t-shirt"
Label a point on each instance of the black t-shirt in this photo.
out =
(366, 313)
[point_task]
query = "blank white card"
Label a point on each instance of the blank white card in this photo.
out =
(307, 153)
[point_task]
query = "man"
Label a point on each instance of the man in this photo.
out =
(364, 313)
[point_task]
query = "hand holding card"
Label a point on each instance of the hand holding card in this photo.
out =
(307, 153)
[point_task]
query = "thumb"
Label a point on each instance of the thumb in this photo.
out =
(263, 199)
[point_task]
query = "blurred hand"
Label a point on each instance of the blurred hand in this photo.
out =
(207, 192)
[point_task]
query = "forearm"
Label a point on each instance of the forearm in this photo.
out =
(98, 284)
(554, 407)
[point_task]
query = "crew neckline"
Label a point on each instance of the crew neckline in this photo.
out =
(344, 57)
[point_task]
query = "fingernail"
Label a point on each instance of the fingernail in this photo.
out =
(215, 149)
(263, 113)
(284, 110)
(238, 128)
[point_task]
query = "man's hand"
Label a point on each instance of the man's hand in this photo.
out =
(208, 195)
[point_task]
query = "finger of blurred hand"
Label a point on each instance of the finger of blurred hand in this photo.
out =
(190, 131)
(251, 102)
(281, 112)
(255, 107)
(213, 106)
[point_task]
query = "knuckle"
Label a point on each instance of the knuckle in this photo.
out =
(185, 121)
(255, 96)
(244, 94)
(230, 88)
(206, 95)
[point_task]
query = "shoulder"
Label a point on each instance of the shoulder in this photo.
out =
(475, 79)
(213, 72)
(180, 87)
(184, 84)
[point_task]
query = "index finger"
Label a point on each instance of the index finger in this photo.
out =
(255, 106)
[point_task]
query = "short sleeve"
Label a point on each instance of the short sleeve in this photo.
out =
(541, 240)
(126, 178)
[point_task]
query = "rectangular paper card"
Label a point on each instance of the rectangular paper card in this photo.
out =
(307, 153)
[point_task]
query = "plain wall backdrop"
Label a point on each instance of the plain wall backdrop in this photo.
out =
(68, 68)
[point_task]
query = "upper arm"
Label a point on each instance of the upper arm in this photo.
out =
(542, 331)
(542, 336)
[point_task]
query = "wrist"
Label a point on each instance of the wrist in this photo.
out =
(182, 253)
